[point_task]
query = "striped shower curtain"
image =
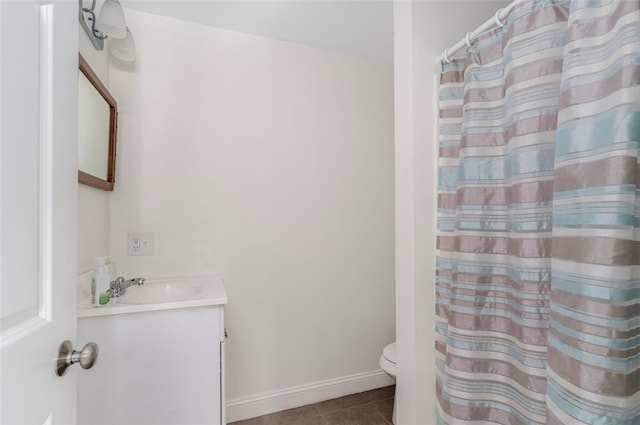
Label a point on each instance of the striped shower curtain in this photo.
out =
(538, 267)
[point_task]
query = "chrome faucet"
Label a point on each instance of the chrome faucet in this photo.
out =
(119, 286)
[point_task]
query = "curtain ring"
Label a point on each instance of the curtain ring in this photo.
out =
(446, 56)
(467, 39)
(497, 19)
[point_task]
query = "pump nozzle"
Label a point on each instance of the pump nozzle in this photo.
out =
(103, 261)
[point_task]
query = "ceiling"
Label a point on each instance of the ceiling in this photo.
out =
(356, 27)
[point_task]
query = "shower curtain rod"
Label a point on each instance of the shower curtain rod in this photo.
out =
(496, 21)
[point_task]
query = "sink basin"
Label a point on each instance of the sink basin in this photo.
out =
(161, 292)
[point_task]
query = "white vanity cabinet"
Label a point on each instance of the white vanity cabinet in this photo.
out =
(158, 363)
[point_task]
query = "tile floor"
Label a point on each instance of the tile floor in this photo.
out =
(368, 408)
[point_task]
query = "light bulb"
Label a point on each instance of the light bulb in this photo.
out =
(124, 48)
(111, 20)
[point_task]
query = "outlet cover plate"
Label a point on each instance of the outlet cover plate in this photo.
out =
(140, 243)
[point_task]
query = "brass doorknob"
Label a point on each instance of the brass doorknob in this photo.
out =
(68, 356)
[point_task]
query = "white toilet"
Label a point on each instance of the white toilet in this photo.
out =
(388, 364)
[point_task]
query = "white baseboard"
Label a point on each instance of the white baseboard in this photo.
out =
(301, 395)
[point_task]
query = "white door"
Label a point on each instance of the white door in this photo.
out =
(38, 204)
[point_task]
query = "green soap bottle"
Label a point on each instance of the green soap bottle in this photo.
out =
(100, 292)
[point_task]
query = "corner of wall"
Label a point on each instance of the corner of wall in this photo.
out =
(93, 204)
(422, 31)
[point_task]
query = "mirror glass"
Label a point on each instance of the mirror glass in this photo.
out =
(97, 114)
(93, 130)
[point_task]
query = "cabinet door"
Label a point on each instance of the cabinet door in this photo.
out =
(158, 367)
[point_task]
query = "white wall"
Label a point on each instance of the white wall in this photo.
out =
(93, 226)
(422, 31)
(93, 204)
(271, 163)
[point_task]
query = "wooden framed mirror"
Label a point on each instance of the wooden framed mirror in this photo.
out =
(97, 129)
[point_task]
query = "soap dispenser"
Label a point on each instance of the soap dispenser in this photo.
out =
(100, 293)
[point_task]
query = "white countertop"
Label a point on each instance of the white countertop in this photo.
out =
(208, 290)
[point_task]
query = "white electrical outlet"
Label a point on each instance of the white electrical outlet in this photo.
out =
(140, 244)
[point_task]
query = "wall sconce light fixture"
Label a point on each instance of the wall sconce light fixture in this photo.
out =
(109, 23)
